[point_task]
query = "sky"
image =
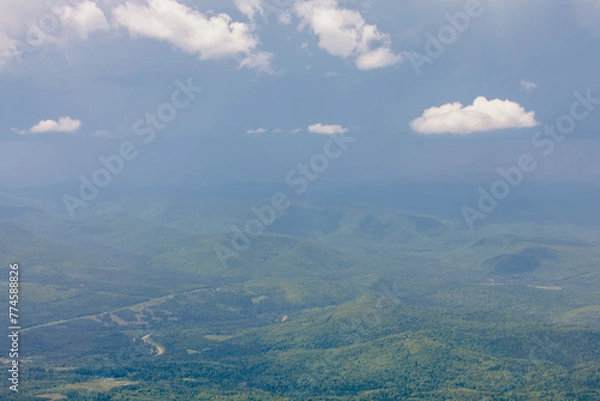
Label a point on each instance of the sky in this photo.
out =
(187, 93)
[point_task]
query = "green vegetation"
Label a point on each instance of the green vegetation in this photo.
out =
(332, 303)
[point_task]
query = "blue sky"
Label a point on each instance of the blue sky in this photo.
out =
(279, 77)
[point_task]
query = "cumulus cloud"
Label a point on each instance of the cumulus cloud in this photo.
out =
(250, 7)
(528, 86)
(83, 18)
(284, 18)
(7, 49)
(64, 124)
(17, 16)
(378, 58)
(344, 33)
(210, 37)
(482, 115)
(256, 131)
(327, 129)
(260, 61)
(29, 25)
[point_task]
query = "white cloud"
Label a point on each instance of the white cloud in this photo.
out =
(327, 129)
(260, 61)
(482, 115)
(83, 18)
(284, 18)
(19, 131)
(29, 25)
(17, 16)
(250, 7)
(283, 131)
(256, 131)
(528, 86)
(7, 49)
(64, 124)
(344, 33)
(378, 58)
(210, 37)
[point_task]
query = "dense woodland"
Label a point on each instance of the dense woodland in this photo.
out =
(331, 303)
